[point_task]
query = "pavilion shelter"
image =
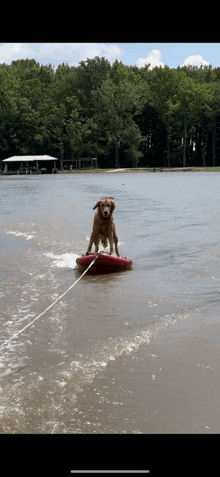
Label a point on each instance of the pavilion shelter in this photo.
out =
(31, 163)
(85, 163)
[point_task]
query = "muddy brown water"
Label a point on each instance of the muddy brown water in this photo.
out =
(132, 352)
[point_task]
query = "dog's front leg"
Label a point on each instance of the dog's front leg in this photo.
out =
(111, 240)
(116, 248)
(111, 245)
(115, 238)
(90, 244)
(96, 246)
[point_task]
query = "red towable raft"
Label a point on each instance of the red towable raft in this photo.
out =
(104, 259)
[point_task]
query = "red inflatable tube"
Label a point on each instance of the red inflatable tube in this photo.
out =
(104, 259)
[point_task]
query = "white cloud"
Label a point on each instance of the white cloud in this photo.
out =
(10, 52)
(14, 46)
(57, 53)
(153, 58)
(195, 60)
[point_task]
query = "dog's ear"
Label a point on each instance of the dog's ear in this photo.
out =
(112, 205)
(97, 204)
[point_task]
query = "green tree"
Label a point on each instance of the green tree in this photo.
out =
(164, 84)
(89, 76)
(81, 135)
(214, 117)
(9, 91)
(159, 116)
(192, 103)
(25, 123)
(119, 99)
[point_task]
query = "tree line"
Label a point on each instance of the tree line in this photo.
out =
(123, 115)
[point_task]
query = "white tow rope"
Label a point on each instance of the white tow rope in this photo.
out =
(48, 308)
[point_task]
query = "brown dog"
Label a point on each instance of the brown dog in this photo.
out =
(103, 226)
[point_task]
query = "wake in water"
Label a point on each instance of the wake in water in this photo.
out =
(65, 260)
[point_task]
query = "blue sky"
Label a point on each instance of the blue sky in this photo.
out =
(135, 54)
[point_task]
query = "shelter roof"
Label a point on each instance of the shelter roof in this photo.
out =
(30, 158)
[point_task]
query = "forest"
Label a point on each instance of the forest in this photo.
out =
(124, 115)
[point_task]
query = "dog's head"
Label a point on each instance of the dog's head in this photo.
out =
(106, 206)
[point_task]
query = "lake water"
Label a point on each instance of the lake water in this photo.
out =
(127, 352)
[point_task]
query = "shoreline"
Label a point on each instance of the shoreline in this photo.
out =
(122, 170)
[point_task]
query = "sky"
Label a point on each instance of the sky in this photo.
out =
(132, 54)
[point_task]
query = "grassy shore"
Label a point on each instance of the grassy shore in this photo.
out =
(212, 169)
(143, 169)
